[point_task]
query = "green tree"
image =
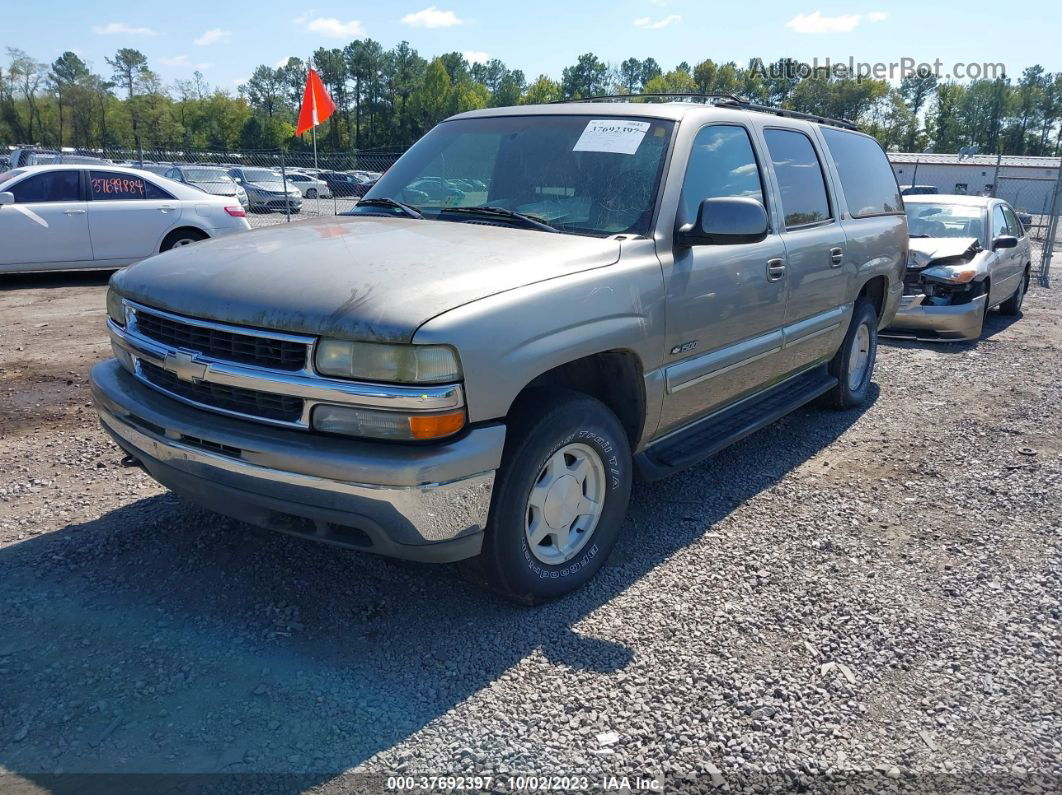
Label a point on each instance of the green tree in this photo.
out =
(67, 73)
(542, 91)
(131, 73)
(587, 78)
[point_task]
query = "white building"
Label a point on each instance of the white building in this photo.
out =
(1026, 182)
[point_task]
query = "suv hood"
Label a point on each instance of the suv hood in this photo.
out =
(363, 278)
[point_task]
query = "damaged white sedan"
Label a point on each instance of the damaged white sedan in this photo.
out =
(968, 254)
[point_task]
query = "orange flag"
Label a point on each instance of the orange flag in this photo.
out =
(316, 104)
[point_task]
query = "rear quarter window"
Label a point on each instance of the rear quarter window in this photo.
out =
(867, 181)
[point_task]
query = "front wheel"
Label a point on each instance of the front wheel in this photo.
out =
(853, 364)
(559, 499)
(1012, 306)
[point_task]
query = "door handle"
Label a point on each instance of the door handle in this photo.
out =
(167, 208)
(73, 212)
(775, 269)
(836, 256)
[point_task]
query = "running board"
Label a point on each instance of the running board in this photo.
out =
(706, 437)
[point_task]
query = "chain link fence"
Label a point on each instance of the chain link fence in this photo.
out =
(328, 185)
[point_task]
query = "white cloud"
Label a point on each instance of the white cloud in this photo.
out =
(476, 56)
(877, 16)
(282, 62)
(177, 60)
(815, 22)
(114, 28)
(432, 17)
(648, 23)
(333, 28)
(213, 36)
(202, 67)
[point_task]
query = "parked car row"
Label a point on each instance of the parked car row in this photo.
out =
(72, 216)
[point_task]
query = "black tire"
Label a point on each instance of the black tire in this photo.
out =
(1012, 306)
(311, 193)
(546, 422)
(181, 237)
(847, 395)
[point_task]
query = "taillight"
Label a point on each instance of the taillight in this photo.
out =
(236, 212)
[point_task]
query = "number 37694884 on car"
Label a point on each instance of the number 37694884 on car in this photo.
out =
(532, 306)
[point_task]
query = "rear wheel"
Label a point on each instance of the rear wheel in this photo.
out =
(853, 364)
(181, 237)
(559, 499)
(1012, 306)
(311, 193)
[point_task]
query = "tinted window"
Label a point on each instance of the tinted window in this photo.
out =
(867, 180)
(115, 186)
(55, 186)
(800, 179)
(722, 163)
(1013, 224)
(999, 222)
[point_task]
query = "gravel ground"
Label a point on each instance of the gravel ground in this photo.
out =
(867, 597)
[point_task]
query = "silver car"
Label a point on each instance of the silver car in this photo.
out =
(477, 373)
(968, 254)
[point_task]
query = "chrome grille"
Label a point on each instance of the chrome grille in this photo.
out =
(261, 351)
(282, 408)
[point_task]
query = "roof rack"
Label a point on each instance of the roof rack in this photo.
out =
(721, 101)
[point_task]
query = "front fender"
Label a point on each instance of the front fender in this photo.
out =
(507, 340)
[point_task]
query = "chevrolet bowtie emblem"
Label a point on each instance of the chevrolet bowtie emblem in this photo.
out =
(183, 365)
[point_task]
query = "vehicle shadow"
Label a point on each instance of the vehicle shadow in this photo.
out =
(160, 638)
(39, 280)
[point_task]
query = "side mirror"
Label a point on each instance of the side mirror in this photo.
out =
(1004, 241)
(7, 198)
(725, 220)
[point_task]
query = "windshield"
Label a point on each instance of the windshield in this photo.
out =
(945, 220)
(261, 175)
(579, 174)
(206, 175)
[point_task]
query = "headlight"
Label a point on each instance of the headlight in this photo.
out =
(374, 361)
(952, 274)
(115, 307)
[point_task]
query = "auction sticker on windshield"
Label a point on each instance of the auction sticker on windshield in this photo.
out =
(611, 135)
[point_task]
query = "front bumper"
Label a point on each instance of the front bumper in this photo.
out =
(950, 323)
(416, 502)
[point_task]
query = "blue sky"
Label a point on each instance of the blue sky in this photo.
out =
(226, 40)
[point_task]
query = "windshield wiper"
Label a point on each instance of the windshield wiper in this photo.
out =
(503, 212)
(385, 202)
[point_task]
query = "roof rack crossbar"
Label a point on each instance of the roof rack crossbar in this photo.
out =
(722, 101)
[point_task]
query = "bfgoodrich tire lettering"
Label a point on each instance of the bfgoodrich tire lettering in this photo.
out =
(549, 426)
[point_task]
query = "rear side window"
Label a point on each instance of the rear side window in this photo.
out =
(53, 186)
(722, 163)
(867, 180)
(115, 186)
(800, 178)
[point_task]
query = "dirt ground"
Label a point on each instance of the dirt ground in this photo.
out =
(915, 541)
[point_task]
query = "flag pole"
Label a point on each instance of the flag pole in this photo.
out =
(313, 99)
